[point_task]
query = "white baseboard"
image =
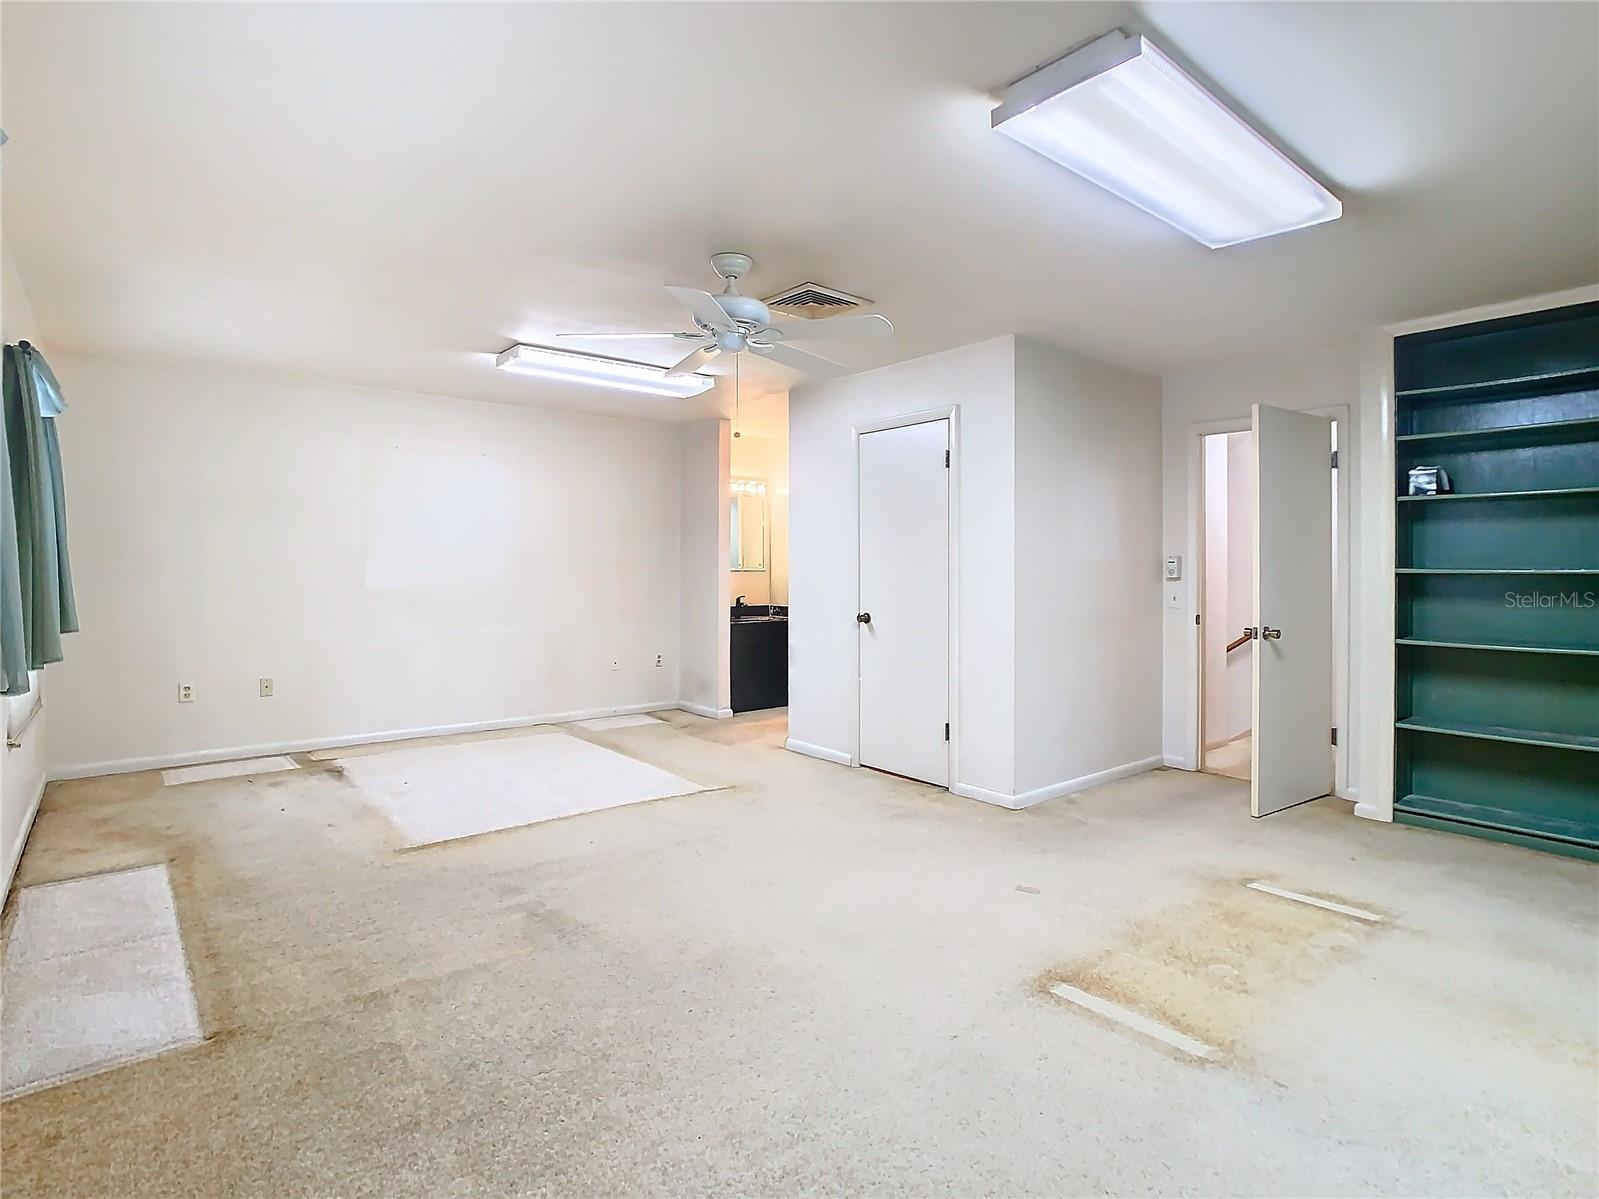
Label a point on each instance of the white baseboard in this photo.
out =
(998, 798)
(1177, 762)
(14, 852)
(194, 757)
(704, 710)
(1373, 812)
(817, 751)
(1027, 799)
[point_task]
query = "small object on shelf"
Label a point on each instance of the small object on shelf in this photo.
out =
(1429, 480)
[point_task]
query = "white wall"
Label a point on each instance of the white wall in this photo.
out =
(22, 770)
(1058, 528)
(395, 562)
(1215, 399)
(1088, 571)
(823, 582)
(706, 646)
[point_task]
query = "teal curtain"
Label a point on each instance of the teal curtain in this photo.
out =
(36, 601)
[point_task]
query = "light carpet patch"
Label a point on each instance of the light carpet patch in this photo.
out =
(226, 770)
(444, 792)
(94, 976)
(600, 724)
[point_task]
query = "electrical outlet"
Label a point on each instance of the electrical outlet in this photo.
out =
(660, 659)
(266, 688)
(185, 693)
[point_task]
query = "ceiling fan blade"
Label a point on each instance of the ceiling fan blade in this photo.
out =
(812, 364)
(703, 305)
(868, 325)
(627, 336)
(694, 361)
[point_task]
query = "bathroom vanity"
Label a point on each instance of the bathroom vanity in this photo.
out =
(759, 666)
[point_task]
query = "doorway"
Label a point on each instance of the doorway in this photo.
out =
(1227, 464)
(1269, 547)
(903, 619)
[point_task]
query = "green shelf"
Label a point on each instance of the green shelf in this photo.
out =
(1541, 493)
(1489, 388)
(1562, 570)
(1496, 662)
(1498, 732)
(1508, 820)
(1553, 432)
(1505, 649)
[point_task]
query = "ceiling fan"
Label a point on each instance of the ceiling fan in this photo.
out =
(730, 323)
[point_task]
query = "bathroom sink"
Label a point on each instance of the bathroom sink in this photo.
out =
(757, 613)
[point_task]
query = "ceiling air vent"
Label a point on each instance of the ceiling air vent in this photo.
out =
(813, 300)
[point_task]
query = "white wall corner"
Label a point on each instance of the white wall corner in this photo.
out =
(817, 751)
(704, 710)
(998, 798)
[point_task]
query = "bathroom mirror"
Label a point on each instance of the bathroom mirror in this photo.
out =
(747, 545)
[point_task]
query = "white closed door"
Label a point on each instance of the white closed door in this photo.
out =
(1293, 708)
(903, 618)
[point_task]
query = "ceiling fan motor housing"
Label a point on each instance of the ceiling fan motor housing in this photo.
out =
(745, 309)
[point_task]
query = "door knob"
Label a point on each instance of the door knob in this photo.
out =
(1270, 634)
(863, 618)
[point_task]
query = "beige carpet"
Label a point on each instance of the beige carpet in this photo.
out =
(1231, 759)
(829, 981)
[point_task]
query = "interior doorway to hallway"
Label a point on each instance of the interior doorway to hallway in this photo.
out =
(1268, 580)
(1227, 601)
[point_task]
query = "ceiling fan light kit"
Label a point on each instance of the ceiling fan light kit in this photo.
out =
(1122, 114)
(594, 370)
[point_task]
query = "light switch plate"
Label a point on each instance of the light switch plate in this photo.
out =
(1174, 567)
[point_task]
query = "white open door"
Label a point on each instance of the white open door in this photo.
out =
(903, 619)
(1292, 754)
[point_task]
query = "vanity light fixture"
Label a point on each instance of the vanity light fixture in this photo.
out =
(747, 487)
(1123, 115)
(598, 371)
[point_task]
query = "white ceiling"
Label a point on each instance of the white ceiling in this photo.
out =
(390, 194)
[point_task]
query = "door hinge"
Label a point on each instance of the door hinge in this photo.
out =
(1335, 736)
(946, 730)
(1335, 459)
(946, 459)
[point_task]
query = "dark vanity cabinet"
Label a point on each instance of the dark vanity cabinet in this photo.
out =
(759, 665)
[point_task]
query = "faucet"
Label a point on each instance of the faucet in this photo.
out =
(739, 602)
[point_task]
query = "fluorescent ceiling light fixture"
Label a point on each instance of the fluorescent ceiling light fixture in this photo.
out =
(1125, 116)
(598, 371)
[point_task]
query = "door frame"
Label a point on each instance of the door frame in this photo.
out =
(926, 416)
(1343, 700)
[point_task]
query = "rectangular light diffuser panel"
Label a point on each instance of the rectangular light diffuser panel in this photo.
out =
(1125, 116)
(597, 371)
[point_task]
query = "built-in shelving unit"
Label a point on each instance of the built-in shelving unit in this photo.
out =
(1497, 651)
